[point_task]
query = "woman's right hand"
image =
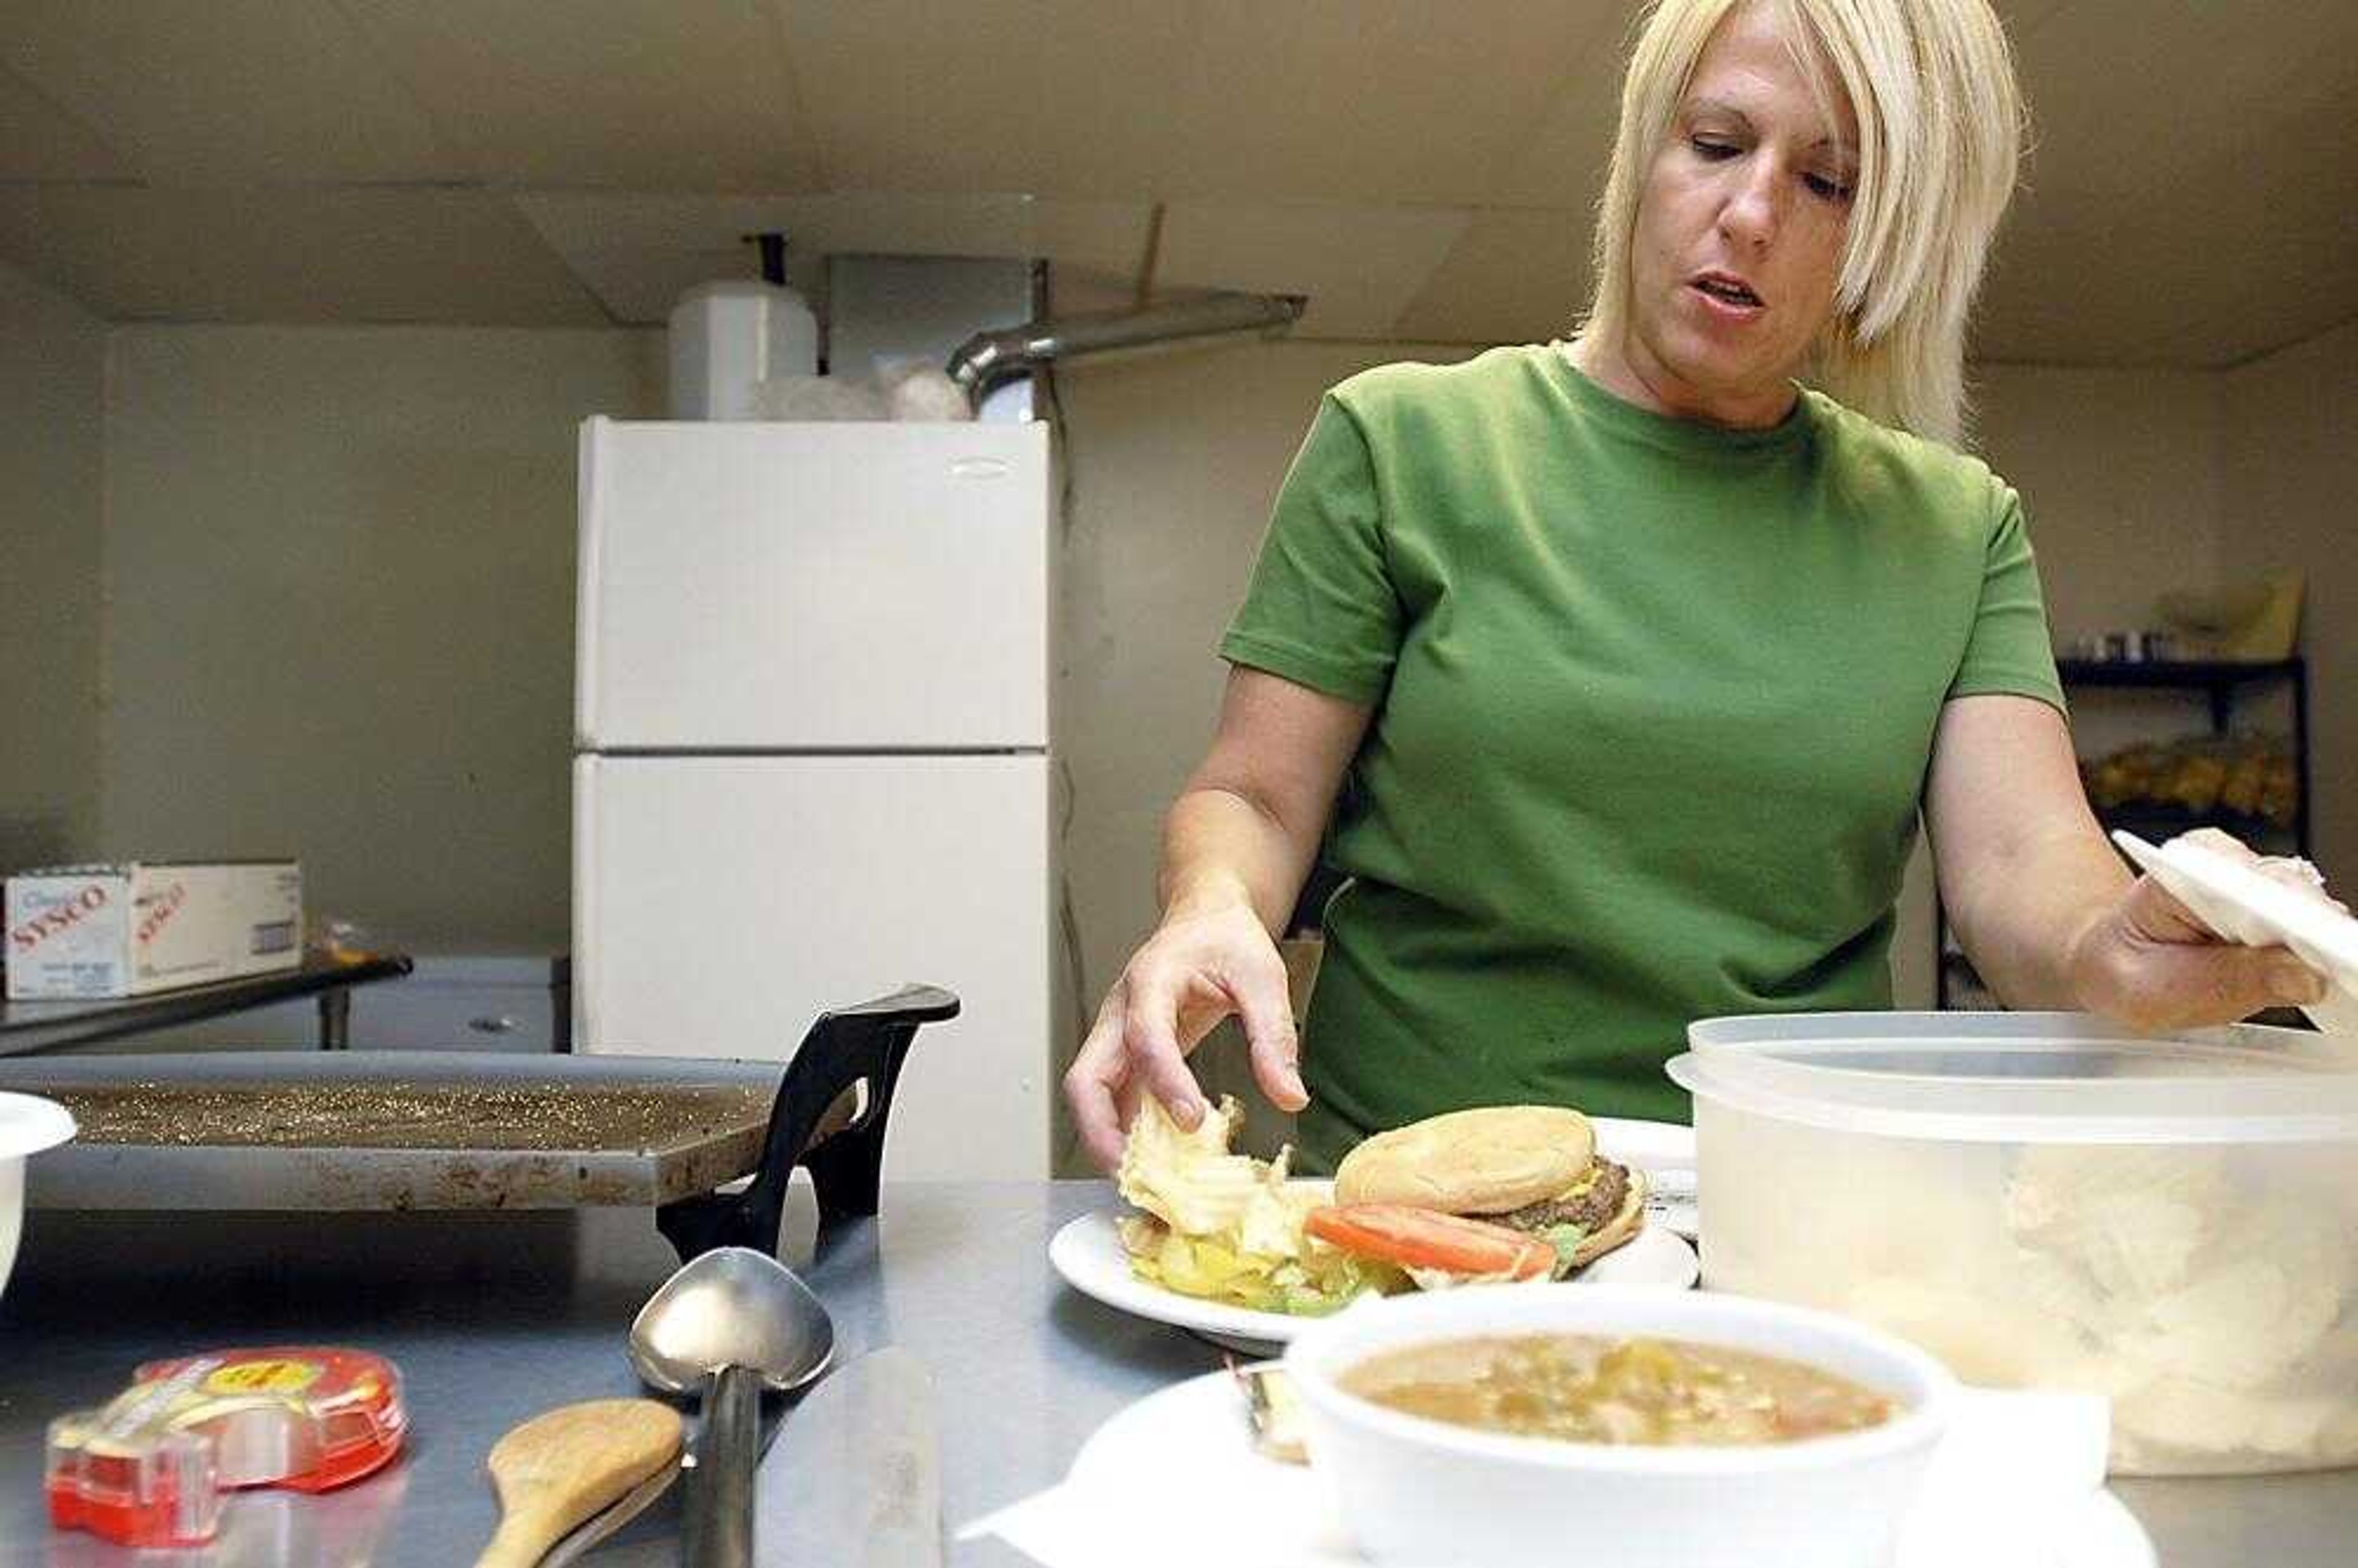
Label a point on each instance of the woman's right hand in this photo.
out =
(1239, 841)
(1197, 969)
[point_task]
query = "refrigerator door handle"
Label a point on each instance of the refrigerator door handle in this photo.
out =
(582, 1026)
(589, 572)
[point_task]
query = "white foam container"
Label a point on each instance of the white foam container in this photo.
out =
(29, 1124)
(2048, 1200)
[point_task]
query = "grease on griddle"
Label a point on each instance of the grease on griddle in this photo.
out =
(409, 1116)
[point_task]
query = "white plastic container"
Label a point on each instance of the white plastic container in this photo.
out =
(728, 338)
(2046, 1200)
(1423, 1494)
(29, 1124)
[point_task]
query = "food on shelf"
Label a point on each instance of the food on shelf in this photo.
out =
(2248, 775)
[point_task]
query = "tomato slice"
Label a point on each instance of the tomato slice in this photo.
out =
(1426, 1239)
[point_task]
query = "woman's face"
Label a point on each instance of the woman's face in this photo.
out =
(1740, 235)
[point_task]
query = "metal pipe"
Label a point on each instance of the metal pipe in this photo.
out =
(985, 359)
(774, 256)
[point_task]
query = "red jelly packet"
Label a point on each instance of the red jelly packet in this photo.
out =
(149, 1469)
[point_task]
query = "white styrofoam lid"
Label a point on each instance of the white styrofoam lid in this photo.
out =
(2243, 906)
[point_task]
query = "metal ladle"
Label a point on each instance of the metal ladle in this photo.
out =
(731, 1321)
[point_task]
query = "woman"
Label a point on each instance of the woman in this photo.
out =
(1623, 666)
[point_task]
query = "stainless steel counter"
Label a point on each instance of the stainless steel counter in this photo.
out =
(492, 1318)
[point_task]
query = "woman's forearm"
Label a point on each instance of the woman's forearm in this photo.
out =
(2025, 918)
(2025, 872)
(1221, 848)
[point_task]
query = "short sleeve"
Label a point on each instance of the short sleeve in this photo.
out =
(2009, 650)
(1321, 609)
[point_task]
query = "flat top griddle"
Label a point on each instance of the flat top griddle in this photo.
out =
(394, 1130)
(432, 1129)
(157, 1108)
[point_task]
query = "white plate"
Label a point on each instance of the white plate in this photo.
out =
(1190, 1441)
(1087, 1252)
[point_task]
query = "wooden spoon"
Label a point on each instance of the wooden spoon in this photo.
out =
(558, 1468)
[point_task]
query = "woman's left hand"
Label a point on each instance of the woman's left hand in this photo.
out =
(2150, 963)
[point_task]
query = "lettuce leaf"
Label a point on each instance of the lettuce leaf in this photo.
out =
(1312, 1282)
(1566, 1240)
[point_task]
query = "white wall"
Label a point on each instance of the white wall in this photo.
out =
(2291, 503)
(2119, 472)
(340, 571)
(52, 387)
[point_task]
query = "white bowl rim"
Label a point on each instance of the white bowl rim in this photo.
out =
(1931, 1392)
(29, 1124)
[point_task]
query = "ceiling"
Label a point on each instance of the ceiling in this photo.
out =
(1423, 171)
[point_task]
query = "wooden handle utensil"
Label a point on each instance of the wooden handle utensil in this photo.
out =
(558, 1468)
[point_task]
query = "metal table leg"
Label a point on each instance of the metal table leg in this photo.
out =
(336, 1019)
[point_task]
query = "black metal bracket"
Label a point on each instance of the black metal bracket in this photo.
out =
(855, 1051)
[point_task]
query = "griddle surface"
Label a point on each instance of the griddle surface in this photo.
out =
(411, 1115)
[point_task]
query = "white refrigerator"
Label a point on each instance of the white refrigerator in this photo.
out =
(812, 757)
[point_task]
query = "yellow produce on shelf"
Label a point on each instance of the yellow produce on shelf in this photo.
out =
(2243, 775)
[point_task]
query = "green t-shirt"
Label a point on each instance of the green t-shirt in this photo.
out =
(1653, 705)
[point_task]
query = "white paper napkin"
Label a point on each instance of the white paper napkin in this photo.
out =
(2008, 1481)
(2242, 906)
(2005, 1486)
(1073, 1526)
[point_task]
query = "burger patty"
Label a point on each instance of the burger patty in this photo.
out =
(1590, 1211)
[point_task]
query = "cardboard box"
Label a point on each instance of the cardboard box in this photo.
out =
(128, 930)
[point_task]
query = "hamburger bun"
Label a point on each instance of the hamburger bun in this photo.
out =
(1492, 1160)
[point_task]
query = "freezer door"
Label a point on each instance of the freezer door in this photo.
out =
(774, 586)
(720, 903)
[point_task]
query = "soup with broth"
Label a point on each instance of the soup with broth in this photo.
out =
(1590, 1389)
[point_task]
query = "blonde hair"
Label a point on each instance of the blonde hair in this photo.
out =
(1939, 128)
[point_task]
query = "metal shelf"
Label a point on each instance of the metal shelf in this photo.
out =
(28, 1027)
(2157, 822)
(2218, 678)
(2190, 673)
